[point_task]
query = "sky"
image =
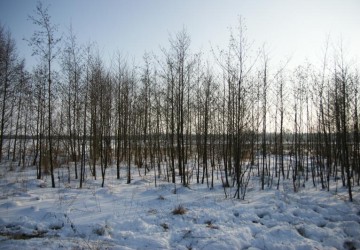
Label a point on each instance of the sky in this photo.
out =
(288, 28)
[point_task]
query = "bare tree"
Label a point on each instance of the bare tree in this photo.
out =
(72, 69)
(180, 46)
(264, 79)
(8, 74)
(87, 77)
(342, 83)
(45, 44)
(119, 78)
(39, 95)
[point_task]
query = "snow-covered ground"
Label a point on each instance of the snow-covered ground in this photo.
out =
(140, 216)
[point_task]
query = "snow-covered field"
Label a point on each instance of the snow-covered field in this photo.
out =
(140, 216)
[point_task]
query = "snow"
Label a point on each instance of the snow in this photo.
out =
(140, 216)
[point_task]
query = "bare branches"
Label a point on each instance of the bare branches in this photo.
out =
(43, 41)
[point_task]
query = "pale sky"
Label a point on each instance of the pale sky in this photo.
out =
(296, 28)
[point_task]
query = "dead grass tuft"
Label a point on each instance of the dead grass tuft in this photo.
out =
(179, 210)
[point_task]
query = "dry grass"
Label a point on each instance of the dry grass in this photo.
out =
(179, 210)
(165, 226)
(209, 224)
